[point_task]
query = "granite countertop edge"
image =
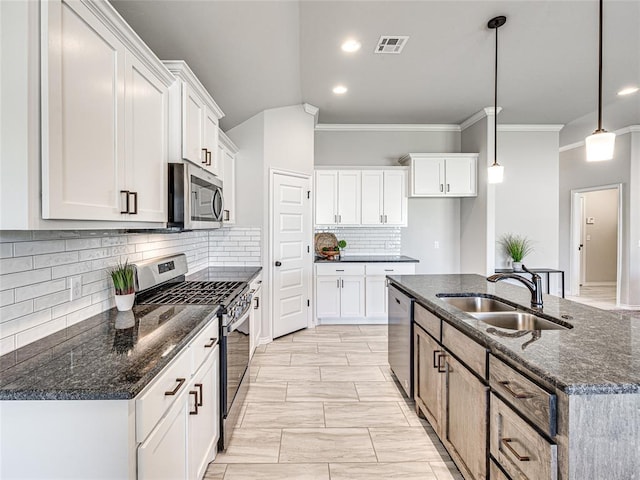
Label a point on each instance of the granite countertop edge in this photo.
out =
(458, 320)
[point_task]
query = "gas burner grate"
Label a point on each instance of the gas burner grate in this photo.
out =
(196, 293)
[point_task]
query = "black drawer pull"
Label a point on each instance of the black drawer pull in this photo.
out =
(441, 368)
(199, 387)
(195, 403)
(211, 343)
(175, 390)
(507, 443)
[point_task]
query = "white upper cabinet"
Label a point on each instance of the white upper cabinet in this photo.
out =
(194, 122)
(104, 117)
(438, 175)
(384, 199)
(227, 152)
(338, 200)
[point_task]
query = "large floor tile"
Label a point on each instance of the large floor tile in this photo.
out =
(408, 407)
(282, 415)
(381, 471)
(313, 337)
(351, 374)
(378, 392)
(321, 391)
(215, 471)
(362, 337)
(446, 470)
(326, 445)
(371, 358)
(403, 444)
(378, 346)
(266, 392)
(302, 359)
(252, 445)
(364, 414)
(343, 347)
(337, 328)
(381, 330)
(286, 374)
(281, 471)
(290, 347)
(261, 359)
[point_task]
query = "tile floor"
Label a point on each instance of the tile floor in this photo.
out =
(602, 297)
(322, 406)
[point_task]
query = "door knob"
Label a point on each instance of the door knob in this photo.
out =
(278, 264)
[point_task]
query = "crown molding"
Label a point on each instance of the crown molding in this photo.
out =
(227, 142)
(385, 127)
(529, 128)
(310, 109)
(621, 131)
(476, 117)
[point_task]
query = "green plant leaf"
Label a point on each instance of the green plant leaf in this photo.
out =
(516, 246)
(122, 276)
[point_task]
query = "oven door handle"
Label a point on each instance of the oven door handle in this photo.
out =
(234, 326)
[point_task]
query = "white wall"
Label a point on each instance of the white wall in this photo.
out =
(526, 203)
(430, 219)
(577, 173)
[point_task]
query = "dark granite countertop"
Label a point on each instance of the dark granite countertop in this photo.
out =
(92, 360)
(599, 355)
(370, 259)
(225, 274)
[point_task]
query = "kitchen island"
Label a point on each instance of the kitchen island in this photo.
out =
(575, 391)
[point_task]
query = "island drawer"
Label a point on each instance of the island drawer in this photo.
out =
(518, 448)
(204, 343)
(427, 320)
(390, 268)
(526, 397)
(155, 400)
(340, 269)
(467, 350)
(495, 473)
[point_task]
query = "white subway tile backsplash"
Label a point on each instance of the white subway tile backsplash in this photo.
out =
(364, 241)
(36, 268)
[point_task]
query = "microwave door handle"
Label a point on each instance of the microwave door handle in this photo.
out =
(216, 205)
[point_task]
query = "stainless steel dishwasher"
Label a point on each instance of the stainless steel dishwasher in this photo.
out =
(401, 338)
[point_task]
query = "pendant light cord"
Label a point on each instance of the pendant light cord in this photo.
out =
(495, 105)
(599, 69)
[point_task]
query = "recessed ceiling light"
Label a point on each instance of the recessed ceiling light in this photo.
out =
(339, 89)
(628, 90)
(351, 46)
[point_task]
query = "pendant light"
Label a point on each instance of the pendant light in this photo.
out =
(496, 171)
(600, 143)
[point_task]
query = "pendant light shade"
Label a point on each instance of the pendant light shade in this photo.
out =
(600, 144)
(496, 171)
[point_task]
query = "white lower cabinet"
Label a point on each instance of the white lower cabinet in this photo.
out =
(355, 292)
(256, 313)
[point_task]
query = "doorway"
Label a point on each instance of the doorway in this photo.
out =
(596, 245)
(291, 260)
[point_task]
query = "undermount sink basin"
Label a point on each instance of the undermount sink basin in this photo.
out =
(517, 321)
(477, 304)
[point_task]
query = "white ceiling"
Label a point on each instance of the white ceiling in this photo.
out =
(254, 55)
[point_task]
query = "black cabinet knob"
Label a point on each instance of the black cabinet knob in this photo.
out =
(278, 264)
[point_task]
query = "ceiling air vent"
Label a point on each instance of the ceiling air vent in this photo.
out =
(391, 43)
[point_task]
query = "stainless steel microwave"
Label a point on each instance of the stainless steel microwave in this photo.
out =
(195, 198)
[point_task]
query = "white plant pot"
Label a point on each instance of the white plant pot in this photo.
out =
(124, 303)
(125, 319)
(517, 267)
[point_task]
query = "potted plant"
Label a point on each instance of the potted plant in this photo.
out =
(332, 252)
(517, 247)
(123, 282)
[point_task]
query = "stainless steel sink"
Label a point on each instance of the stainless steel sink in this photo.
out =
(477, 304)
(517, 321)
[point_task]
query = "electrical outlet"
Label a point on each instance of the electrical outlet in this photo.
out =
(75, 288)
(436, 244)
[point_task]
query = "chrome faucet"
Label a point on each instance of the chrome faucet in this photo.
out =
(534, 285)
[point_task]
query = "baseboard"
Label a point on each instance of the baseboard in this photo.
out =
(599, 284)
(352, 321)
(264, 340)
(627, 307)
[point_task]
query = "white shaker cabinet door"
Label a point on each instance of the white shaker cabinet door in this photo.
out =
(461, 176)
(352, 296)
(349, 197)
(193, 115)
(83, 65)
(326, 197)
(327, 296)
(146, 142)
(213, 160)
(428, 177)
(376, 296)
(394, 198)
(372, 197)
(163, 455)
(228, 162)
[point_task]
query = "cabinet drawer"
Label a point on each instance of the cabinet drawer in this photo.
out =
(154, 401)
(204, 343)
(427, 320)
(471, 353)
(340, 269)
(390, 268)
(517, 447)
(528, 398)
(495, 473)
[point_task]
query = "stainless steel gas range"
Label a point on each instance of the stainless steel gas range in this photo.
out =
(161, 281)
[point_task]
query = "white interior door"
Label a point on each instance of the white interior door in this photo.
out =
(291, 247)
